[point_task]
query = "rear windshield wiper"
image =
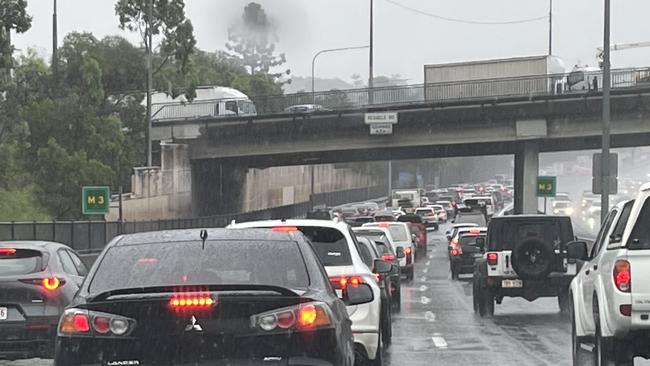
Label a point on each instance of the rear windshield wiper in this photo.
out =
(171, 289)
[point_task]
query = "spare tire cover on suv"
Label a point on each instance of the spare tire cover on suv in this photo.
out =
(532, 258)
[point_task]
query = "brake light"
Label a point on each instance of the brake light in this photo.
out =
(302, 317)
(383, 225)
(454, 241)
(51, 284)
(474, 231)
(190, 302)
(453, 204)
(622, 275)
(7, 251)
(284, 229)
(493, 258)
(408, 250)
(455, 252)
(342, 282)
(81, 321)
(388, 257)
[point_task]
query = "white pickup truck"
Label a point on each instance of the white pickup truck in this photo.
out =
(610, 296)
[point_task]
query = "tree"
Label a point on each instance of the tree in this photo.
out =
(251, 42)
(168, 21)
(13, 16)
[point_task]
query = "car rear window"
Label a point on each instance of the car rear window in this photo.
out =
(372, 235)
(19, 262)
(503, 234)
(471, 218)
(189, 263)
(469, 239)
(640, 237)
(330, 245)
(398, 232)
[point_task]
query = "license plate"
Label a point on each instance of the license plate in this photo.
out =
(512, 284)
(3, 313)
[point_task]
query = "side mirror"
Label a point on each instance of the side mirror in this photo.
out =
(577, 250)
(480, 242)
(357, 295)
(382, 267)
(400, 252)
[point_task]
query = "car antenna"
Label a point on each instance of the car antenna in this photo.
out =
(204, 237)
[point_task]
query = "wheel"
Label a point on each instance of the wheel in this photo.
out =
(397, 300)
(489, 302)
(475, 293)
(410, 274)
(606, 352)
(532, 258)
(454, 271)
(386, 328)
(580, 356)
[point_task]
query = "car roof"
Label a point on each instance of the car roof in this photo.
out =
(32, 244)
(463, 224)
(170, 236)
(529, 216)
(291, 222)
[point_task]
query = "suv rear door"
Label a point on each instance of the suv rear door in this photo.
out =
(638, 254)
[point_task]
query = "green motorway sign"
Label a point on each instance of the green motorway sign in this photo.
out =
(546, 186)
(96, 200)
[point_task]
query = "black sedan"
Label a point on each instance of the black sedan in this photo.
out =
(37, 281)
(209, 297)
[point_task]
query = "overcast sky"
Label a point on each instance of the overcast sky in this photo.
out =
(404, 40)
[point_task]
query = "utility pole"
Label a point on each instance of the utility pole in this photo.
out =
(550, 28)
(605, 175)
(371, 52)
(149, 43)
(55, 58)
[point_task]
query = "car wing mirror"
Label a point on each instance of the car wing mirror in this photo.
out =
(400, 252)
(577, 250)
(480, 242)
(382, 267)
(357, 295)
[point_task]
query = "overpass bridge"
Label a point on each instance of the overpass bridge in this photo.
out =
(459, 121)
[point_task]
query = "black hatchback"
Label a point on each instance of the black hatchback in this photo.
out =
(37, 281)
(215, 297)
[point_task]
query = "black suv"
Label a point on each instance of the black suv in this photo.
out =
(525, 256)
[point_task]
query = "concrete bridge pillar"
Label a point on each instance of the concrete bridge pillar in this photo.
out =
(526, 171)
(217, 187)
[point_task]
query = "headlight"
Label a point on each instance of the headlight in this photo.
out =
(569, 211)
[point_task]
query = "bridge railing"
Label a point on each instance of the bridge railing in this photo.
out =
(92, 236)
(540, 85)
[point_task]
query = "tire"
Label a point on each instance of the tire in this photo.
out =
(605, 351)
(410, 274)
(532, 259)
(476, 292)
(580, 356)
(397, 301)
(386, 328)
(454, 271)
(489, 303)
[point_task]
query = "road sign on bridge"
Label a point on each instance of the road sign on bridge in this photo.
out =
(96, 200)
(546, 186)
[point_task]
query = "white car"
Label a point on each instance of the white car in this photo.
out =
(401, 235)
(440, 211)
(610, 296)
(429, 217)
(337, 248)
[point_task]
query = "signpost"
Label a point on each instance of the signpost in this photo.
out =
(597, 170)
(95, 200)
(381, 123)
(546, 187)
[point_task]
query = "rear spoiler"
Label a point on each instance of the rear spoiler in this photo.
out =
(179, 288)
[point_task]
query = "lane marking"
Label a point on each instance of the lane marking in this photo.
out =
(425, 300)
(427, 263)
(439, 341)
(430, 316)
(423, 288)
(425, 270)
(430, 256)
(423, 279)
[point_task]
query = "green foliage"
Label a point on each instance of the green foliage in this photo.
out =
(22, 204)
(13, 17)
(251, 42)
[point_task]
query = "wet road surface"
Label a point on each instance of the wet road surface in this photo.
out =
(437, 324)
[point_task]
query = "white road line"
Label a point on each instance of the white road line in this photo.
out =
(425, 300)
(423, 288)
(423, 279)
(430, 256)
(425, 270)
(430, 316)
(427, 263)
(439, 341)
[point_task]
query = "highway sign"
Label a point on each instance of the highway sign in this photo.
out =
(95, 200)
(381, 129)
(380, 117)
(546, 186)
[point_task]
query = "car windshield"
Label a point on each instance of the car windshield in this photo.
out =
(191, 263)
(399, 232)
(330, 245)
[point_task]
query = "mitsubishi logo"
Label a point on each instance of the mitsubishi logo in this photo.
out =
(193, 326)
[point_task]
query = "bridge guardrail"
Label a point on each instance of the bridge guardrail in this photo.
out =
(92, 236)
(571, 83)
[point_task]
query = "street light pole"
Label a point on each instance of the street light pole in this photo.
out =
(371, 53)
(550, 28)
(313, 65)
(55, 58)
(149, 79)
(605, 174)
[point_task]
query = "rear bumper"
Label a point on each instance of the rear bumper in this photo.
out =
(27, 340)
(463, 265)
(308, 348)
(531, 290)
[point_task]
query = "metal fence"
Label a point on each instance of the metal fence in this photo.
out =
(577, 82)
(92, 236)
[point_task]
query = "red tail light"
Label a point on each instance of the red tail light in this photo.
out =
(623, 275)
(51, 284)
(455, 252)
(408, 250)
(75, 323)
(81, 321)
(191, 301)
(388, 257)
(493, 258)
(7, 251)
(342, 282)
(453, 204)
(302, 317)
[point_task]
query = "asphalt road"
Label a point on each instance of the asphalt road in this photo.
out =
(437, 324)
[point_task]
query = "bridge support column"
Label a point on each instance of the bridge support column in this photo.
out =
(217, 187)
(526, 171)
